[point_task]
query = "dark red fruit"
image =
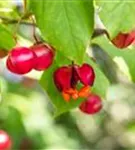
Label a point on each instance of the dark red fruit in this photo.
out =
(11, 67)
(67, 77)
(75, 77)
(123, 40)
(86, 74)
(21, 60)
(92, 105)
(5, 141)
(45, 55)
(62, 78)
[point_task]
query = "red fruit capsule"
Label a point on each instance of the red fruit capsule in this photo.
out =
(123, 40)
(92, 105)
(75, 77)
(20, 60)
(11, 67)
(62, 78)
(86, 74)
(5, 141)
(45, 55)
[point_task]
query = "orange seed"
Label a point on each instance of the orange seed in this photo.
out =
(84, 92)
(66, 96)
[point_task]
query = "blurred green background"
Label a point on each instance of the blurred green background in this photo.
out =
(27, 114)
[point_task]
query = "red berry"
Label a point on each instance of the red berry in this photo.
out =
(92, 105)
(10, 66)
(62, 78)
(5, 141)
(20, 60)
(123, 40)
(45, 55)
(86, 74)
(67, 77)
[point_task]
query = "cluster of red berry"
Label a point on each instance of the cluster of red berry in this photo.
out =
(22, 60)
(70, 76)
(66, 79)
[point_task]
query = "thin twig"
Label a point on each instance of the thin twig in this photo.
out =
(24, 5)
(34, 30)
(14, 21)
(99, 32)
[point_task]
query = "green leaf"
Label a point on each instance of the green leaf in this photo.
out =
(66, 24)
(117, 16)
(131, 127)
(6, 38)
(127, 54)
(100, 86)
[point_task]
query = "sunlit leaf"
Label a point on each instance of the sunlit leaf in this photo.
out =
(117, 15)
(66, 24)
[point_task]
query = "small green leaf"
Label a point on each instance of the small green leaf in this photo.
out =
(6, 38)
(117, 15)
(66, 24)
(100, 86)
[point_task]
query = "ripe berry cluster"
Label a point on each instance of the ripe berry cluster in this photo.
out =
(22, 60)
(66, 79)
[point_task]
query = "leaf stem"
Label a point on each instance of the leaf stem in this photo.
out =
(16, 29)
(34, 30)
(99, 32)
(6, 20)
(24, 5)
